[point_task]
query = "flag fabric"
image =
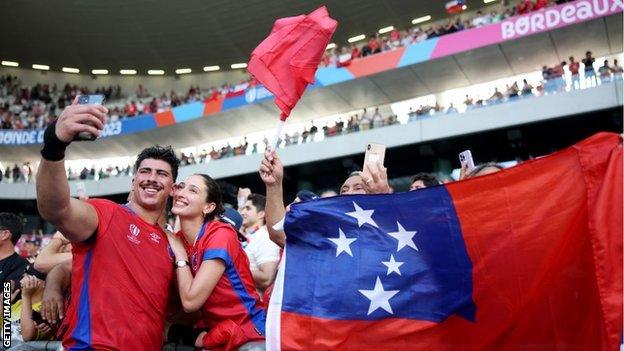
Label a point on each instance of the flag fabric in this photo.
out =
(455, 6)
(526, 258)
(286, 61)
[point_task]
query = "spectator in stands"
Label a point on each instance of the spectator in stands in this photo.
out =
(605, 72)
(513, 90)
(574, 72)
(12, 266)
(469, 103)
(17, 173)
(557, 78)
(549, 83)
(262, 252)
(524, 7)
(217, 263)
(423, 180)
(540, 4)
(527, 88)
(616, 70)
(497, 97)
(590, 73)
(479, 20)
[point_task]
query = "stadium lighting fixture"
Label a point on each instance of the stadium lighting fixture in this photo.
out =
(464, 7)
(155, 72)
(356, 38)
(10, 63)
(421, 19)
(183, 70)
(99, 71)
(211, 68)
(330, 46)
(70, 70)
(238, 65)
(386, 29)
(128, 72)
(41, 67)
(488, 1)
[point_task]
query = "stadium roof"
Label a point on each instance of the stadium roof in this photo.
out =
(167, 35)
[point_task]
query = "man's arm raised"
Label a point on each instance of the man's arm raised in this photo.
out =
(76, 219)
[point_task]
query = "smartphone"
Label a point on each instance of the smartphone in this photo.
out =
(81, 189)
(88, 100)
(465, 158)
(375, 153)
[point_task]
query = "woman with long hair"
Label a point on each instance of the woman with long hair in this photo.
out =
(217, 279)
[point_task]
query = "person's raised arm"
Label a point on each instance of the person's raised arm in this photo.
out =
(75, 218)
(272, 173)
(51, 254)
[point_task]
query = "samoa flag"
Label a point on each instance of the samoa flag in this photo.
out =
(527, 257)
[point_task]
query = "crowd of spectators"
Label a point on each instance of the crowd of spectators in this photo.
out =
(342, 56)
(554, 81)
(35, 107)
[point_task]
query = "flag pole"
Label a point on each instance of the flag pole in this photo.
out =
(278, 132)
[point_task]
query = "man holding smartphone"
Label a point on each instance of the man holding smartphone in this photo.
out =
(121, 269)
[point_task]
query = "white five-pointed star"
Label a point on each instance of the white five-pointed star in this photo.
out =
(393, 266)
(362, 216)
(404, 237)
(342, 243)
(379, 298)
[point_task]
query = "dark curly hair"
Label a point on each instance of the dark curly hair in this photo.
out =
(157, 152)
(213, 195)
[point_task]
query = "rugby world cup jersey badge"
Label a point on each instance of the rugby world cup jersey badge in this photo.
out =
(133, 236)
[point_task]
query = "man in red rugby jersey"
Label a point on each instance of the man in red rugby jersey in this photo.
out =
(122, 269)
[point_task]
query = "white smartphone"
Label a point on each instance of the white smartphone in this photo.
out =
(375, 153)
(465, 158)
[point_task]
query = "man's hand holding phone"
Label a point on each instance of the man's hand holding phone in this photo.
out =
(375, 175)
(80, 118)
(375, 178)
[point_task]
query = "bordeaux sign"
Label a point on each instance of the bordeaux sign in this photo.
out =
(551, 18)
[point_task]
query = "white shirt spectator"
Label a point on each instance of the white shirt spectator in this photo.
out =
(260, 249)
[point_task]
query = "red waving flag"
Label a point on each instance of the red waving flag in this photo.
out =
(286, 61)
(526, 258)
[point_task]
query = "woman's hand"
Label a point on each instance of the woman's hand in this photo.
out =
(177, 247)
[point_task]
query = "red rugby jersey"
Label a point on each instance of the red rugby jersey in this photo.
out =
(120, 284)
(234, 297)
